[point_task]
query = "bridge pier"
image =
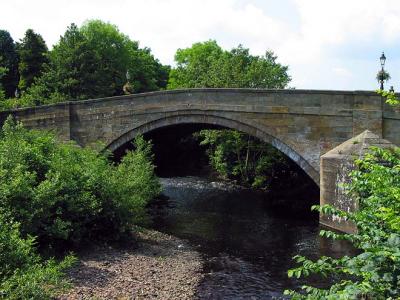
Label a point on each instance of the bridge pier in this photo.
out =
(335, 167)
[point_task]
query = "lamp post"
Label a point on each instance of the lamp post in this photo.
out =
(382, 77)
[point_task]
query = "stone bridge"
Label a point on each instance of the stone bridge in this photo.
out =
(303, 124)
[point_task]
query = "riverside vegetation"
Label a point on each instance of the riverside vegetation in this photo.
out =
(55, 196)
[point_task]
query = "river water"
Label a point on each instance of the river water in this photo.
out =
(247, 246)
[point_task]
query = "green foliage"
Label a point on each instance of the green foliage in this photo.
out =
(391, 97)
(65, 194)
(206, 65)
(375, 272)
(32, 56)
(91, 62)
(195, 66)
(23, 274)
(238, 156)
(9, 61)
(134, 181)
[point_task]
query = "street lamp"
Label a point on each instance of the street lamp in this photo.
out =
(382, 72)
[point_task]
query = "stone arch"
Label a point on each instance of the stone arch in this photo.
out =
(250, 128)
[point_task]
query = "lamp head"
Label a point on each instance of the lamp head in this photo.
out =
(382, 59)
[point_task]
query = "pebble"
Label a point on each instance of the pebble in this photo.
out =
(111, 273)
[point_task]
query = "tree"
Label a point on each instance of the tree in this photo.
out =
(32, 56)
(92, 61)
(208, 65)
(232, 154)
(196, 66)
(118, 54)
(238, 156)
(10, 62)
(76, 68)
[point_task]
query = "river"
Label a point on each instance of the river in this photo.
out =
(247, 245)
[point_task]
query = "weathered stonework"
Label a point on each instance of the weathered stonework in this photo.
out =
(303, 124)
(335, 168)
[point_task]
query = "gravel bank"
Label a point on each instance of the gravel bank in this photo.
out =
(160, 267)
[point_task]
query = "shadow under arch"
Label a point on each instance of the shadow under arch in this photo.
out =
(251, 129)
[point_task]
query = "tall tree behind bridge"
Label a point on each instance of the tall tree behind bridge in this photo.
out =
(232, 154)
(91, 62)
(207, 65)
(9, 61)
(32, 56)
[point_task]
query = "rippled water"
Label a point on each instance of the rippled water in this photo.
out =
(247, 246)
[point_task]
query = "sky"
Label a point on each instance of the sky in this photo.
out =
(327, 44)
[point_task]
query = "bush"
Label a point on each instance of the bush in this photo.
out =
(23, 275)
(62, 193)
(375, 272)
(236, 155)
(134, 182)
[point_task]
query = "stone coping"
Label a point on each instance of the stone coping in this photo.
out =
(201, 90)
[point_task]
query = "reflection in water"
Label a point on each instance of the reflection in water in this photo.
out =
(247, 246)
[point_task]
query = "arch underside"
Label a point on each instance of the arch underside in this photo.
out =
(251, 129)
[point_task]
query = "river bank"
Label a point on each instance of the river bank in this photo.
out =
(159, 266)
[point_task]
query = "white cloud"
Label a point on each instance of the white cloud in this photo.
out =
(339, 24)
(343, 72)
(307, 45)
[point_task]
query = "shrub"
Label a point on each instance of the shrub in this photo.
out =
(134, 182)
(23, 275)
(62, 193)
(375, 272)
(238, 156)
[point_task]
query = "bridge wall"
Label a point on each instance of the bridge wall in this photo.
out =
(49, 117)
(303, 124)
(391, 124)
